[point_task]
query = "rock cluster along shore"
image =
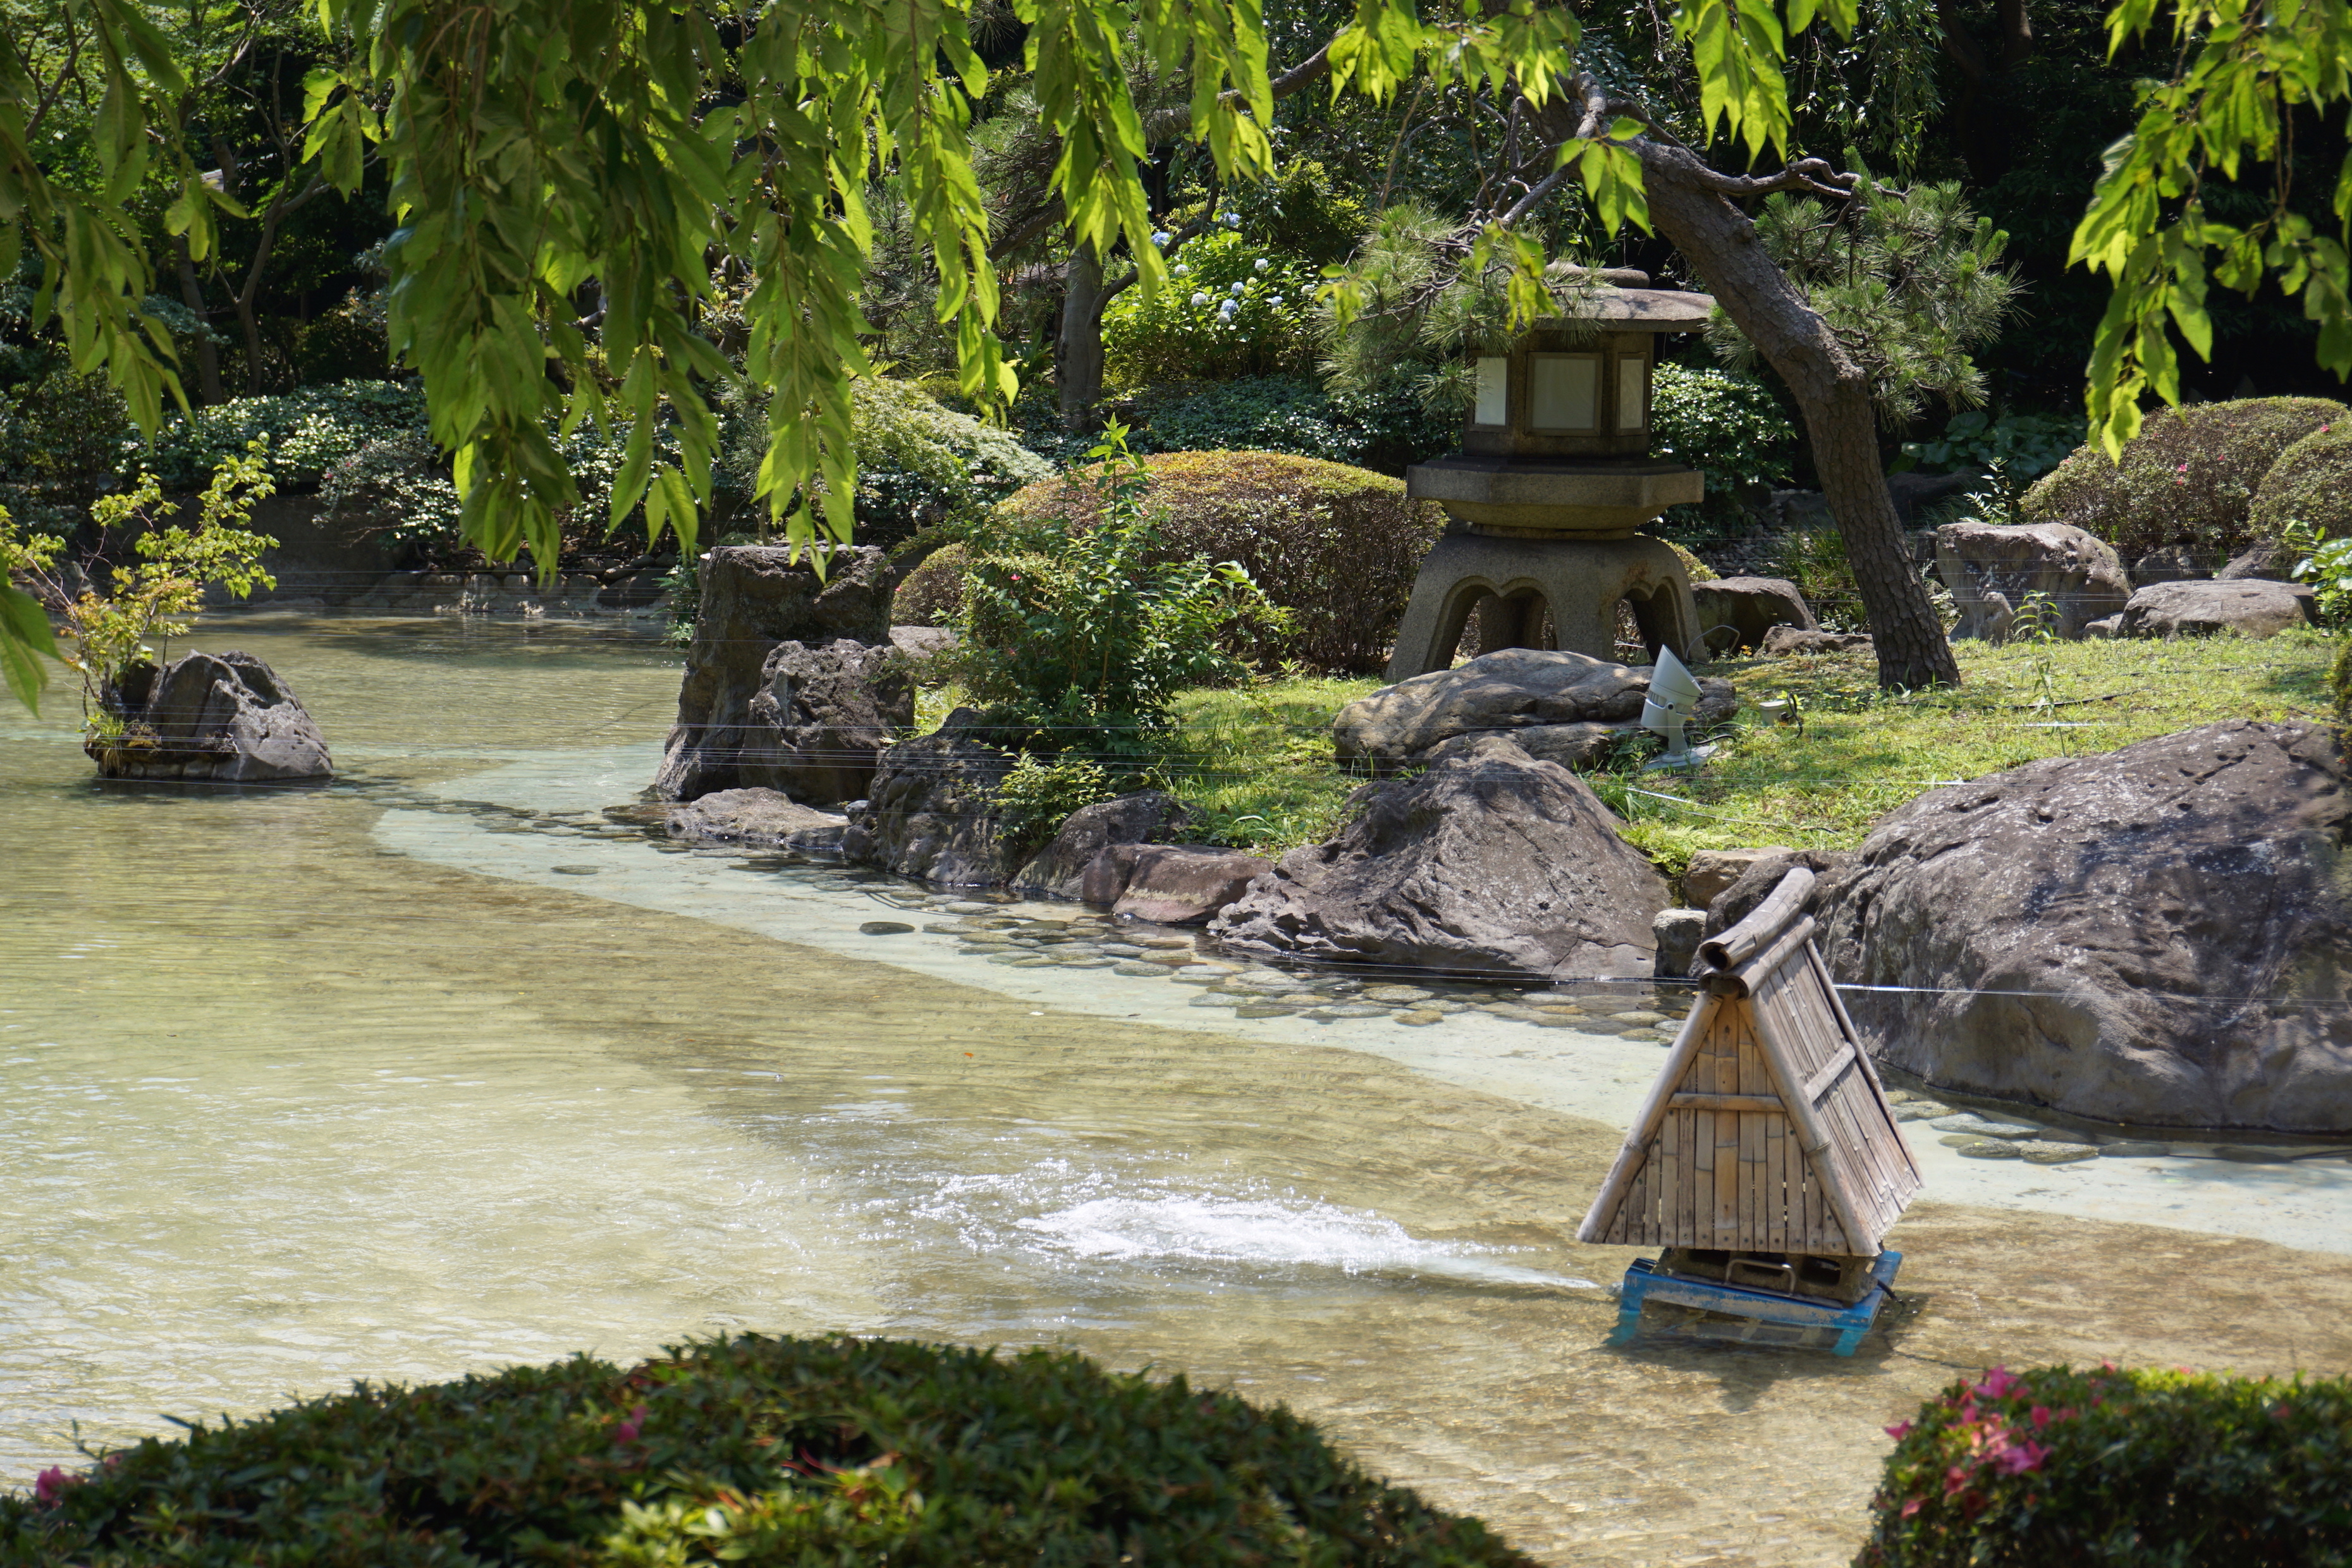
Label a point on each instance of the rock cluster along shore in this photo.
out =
(1490, 861)
(2156, 936)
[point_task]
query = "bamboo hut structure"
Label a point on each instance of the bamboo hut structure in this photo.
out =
(1766, 1161)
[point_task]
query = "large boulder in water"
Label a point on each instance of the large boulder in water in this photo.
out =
(1490, 863)
(933, 810)
(763, 818)
(1497, 694)
(755, 597)
(2159, 935)
(224, 717)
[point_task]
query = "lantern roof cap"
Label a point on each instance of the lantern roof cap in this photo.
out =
(1635, 309)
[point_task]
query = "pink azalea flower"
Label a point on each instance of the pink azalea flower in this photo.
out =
(1954, 1478)
(1899, 1431)
(627, 1432)
(1913, 1507)
(1998, 1382)
(2018, 1460)
(2041, 1417)
(50, 1486)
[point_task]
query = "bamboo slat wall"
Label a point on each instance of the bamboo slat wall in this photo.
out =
(1767, 1131)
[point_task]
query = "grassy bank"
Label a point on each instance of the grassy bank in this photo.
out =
(1259, 758)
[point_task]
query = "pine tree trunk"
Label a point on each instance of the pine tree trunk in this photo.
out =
(1079, 355)
(1832, 392)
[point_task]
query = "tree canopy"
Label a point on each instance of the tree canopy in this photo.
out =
(581, 187)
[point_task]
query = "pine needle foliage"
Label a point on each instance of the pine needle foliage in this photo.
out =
(1910, 280)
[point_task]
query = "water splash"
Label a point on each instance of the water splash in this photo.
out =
(1269, 1232)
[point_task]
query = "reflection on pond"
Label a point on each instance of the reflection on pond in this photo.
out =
(285, 1108)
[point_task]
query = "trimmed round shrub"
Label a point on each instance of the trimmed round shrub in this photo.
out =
(932, 594)
(2127, 1469)
(1385, 430)
(766, 1450)
(1338, 547)
(2310, 484)
(2187, 481)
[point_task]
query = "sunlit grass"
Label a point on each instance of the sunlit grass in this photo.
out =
(1257, 760)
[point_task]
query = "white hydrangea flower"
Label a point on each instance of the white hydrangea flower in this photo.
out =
(1237, 290)
(1183, 269)
(1263, 264)
(1200, 299)
(1274, 299)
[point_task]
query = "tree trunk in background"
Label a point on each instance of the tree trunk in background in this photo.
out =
(1078, 355)
(1830, 392)
(191, 294)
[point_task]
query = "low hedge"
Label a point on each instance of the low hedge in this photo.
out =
(2311, 484)
(2187, 481)
(771, 1450)
(1336, 546)
(2125, 1469)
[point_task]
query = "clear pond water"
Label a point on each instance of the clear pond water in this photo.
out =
(437, 1070)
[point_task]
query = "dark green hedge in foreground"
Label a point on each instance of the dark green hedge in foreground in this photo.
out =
(2122, 1468)
(751, 1450)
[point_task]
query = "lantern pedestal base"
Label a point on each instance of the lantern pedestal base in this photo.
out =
(1574, 583)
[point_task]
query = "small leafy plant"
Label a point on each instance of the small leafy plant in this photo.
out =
(160, 596)
(1037, 797)
(1075, 639)
(2326, 565)
(2129, 1468)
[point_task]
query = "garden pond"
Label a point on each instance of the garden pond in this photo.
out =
(454, 1063)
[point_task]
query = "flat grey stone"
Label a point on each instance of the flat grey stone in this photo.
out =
(1985, 1148)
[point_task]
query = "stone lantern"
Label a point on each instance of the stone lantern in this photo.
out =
(1554, 476)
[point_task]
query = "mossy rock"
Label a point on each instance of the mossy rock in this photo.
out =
(2187, 482)
(1336, 546)
(770, 1450)
(932, 594)
(2310, 484)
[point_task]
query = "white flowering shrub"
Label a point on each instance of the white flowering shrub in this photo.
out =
(1233, 308)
